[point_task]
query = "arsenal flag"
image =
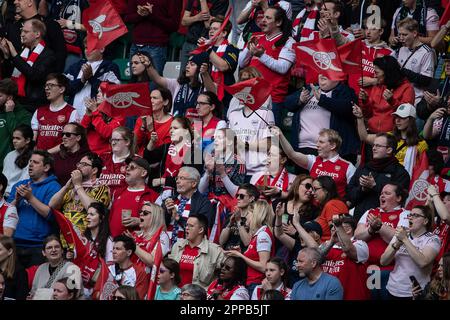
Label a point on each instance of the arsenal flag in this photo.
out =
(319, 57)
(351, 55)
(445, 16)
(126, 99)
(155, 241)
(252, 93)
(103, 24)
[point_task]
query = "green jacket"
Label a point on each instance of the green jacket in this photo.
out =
(8, 122)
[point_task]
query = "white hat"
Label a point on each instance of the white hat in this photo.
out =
(406, 110)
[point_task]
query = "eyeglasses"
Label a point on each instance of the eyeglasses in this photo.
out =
(183, 178)
(379, 146)
(51, 85)
(308, 186)
(69, 134)
(186, 294)
(118, 298)
(415, 215)
(145, 212)
(240, 196)
(84, 164)
(115, 140)
(200, 103)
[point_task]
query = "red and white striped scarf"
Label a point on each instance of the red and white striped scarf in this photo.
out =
(308, 27)
(216, 74)
(17, 76)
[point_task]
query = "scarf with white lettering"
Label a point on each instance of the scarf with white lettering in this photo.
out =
(17, 76)
(217, 75)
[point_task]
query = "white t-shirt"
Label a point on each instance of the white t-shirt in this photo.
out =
(12, 172)
(252, 129)
(236, 105)
(11, 218)
(241, 293)
(263, 240)
(399, 284)
(432, 20)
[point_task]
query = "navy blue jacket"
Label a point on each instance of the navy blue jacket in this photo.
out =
(342, 119)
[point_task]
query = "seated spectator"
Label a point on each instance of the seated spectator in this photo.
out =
(363, 190)
(48, 121)
(15, 276)
(15, 164)
(437, 288)
(127, 202)
(12, 114)
(86, 76)
(125, 292)
(99, 126)
(235, 234)
(113, 172)
(345, 258)
(54, 269)
(151, 219)
(230, 285)
(73, 147)
(186, 201)
(31, 198)
(62, 290)
(168, 281)
(333, 102)
(380, 101)
(199, 259)
(30, 70)
(82, 189)
(276, 279)
(414, 253)
(420, 69)
(377, 227)
(325, 193)
(316, 284)
(409, 143)
(272, 54)
(8, 214)
(192, 291)
(276, 181)
(272, 295)
(153, 131)
(426, 18)
(261, 244)
(328, 162)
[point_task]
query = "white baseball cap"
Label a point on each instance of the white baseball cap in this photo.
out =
(406, 110)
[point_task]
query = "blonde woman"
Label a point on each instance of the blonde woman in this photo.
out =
(152, 218)
(261, 246)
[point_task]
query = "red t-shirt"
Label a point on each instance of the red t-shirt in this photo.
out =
(162, 129)
(261, 241)
(113, 174)
(187, 264)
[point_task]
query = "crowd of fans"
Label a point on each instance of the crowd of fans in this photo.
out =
(310, 197)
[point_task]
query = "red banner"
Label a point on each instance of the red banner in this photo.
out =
(351, 55)
(103, 24)
(155, 241)
(319, 57)
(126, 100)
(252, 93)
(445, 16)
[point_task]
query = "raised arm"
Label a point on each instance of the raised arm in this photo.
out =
(298, 157)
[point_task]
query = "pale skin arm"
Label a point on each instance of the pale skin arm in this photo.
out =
(437, 39)
(362, 130)
(9, 232)
(388, 256)
(428, 127)
(438, 204)
(298, 157)
(346, 243)
(286, 240)
(56, 200)
(245, 236)
(218, 62)
(260, 265)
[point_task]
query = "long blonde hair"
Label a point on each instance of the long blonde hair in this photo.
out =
(10, 265)
(157, 218)
(261, 215)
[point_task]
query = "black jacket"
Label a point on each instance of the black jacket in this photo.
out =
(365, 200)
(17, 287)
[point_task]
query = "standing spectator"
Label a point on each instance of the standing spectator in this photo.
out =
(230, 285)
(276, 279)
(316, 284)
(168, 280)
(162, 18)
(414, 252)
(48, 121)
(272, 54)
(86, 76)
(16, 278)
(381, 100)
(82, 189)
(330, 13)
(31, 198)
(8, 214)
(12, 115)
(377, 227)
(416, 58)
(366, 185)
(199, 258)
(26, 10)
(32, 65)
(345, 258)
(15, 164)
(73, 147)
(128, 201)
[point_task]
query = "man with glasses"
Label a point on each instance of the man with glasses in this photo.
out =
(124, 212)
(48, 121)
(187, 200)
(364, 189)
(81, 190)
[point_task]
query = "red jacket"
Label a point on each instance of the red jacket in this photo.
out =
(99, 132)
(379, 111)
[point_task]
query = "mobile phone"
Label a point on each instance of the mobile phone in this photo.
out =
(126, 213)
(285, 218)
(414, 282)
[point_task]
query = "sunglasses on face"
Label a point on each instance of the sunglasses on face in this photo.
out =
(69, 134)
(118, 298)
(240, 196)
(145, 212)
(308, 186)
